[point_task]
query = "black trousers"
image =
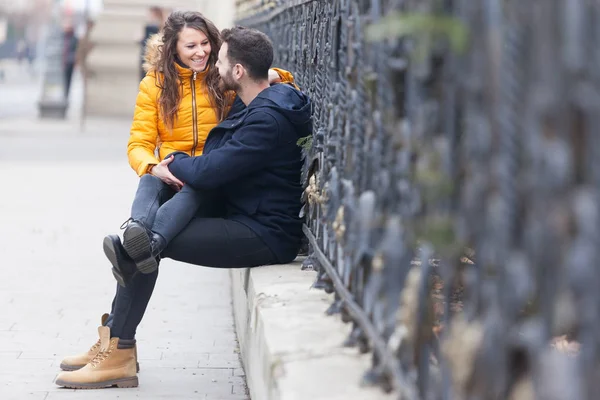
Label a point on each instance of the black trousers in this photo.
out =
(68, 76)
(209, 239)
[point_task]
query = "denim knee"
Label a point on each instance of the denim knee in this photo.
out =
(151, 193)
(151, 180)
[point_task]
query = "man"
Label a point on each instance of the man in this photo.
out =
(70, 43)
(252, 161)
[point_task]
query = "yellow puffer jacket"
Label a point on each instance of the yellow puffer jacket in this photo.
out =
(195, 117)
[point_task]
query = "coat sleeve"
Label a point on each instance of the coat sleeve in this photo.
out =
(236, 103)
(144, 130)
(247, 151)
(286, 77)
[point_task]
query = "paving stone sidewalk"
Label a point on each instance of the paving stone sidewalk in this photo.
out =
(62, 191)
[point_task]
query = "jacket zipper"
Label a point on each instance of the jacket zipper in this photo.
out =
(194, 115)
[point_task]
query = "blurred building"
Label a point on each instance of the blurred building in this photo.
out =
(112, 64)
(14, 6)
(21, 20)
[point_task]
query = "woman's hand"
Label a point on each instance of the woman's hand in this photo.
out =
(161, 171)
(274, 77)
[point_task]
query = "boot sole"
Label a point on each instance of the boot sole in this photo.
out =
(111, 254)
(136, 243)
(67, 367)
(121, 383)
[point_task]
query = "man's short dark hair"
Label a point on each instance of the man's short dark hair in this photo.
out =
(250, 48)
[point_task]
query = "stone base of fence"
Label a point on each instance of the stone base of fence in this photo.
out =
(291, 350)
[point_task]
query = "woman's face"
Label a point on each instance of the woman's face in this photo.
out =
(193, 49)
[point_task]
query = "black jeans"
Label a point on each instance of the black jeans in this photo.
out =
(208, 239)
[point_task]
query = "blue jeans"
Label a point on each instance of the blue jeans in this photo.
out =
(164, 210)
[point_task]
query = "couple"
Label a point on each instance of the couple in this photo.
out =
(227, 199)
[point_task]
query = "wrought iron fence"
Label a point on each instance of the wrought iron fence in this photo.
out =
(452, 187)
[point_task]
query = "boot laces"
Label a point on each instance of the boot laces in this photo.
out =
(101, 356)
(95, 346)
(124, 224)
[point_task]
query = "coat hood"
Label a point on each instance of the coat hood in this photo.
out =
(152, 52)
(289, 102)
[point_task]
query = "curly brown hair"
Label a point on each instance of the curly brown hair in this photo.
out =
(170, 83)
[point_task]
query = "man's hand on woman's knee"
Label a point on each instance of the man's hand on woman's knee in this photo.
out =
(161, 171)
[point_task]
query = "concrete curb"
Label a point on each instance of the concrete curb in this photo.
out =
(290, 349)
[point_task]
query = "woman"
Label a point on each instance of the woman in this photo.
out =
(179, 102)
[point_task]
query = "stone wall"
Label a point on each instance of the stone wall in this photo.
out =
(291, 349)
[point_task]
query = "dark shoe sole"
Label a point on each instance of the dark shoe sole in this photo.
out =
(131, 382)
(67, 367)
(111, 253)
(137, 245)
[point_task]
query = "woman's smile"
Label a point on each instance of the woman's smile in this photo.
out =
(193, 49)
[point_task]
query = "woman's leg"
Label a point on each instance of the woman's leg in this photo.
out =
(177, 212)
(221, 243)
(150, 195)
(145, 245)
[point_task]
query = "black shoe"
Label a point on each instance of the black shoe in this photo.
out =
(303, 247)
(143, 246)
(123, 266)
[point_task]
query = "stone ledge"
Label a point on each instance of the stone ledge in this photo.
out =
(291, 350)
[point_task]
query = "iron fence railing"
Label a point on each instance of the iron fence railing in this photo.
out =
(452, 192)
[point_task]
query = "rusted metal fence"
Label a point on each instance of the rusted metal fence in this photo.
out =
(452, 187)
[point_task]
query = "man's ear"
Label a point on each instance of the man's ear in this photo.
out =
(238, 71)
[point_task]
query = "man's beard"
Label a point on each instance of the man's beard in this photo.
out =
(227, 83)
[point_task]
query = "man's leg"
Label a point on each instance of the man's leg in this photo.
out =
(129, 305)
(68, 75)
(151, 193)
(221, 243)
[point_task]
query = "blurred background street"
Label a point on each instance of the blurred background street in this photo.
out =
(66, 183)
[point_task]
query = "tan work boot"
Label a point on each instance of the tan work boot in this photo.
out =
(73, 363)
(111, 366)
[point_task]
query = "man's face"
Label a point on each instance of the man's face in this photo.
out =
(228, 82)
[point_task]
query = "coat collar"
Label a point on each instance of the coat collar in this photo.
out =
(185, 72)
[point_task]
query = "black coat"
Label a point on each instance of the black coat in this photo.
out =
(254, 159)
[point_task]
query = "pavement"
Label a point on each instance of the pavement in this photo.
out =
(65, 185)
